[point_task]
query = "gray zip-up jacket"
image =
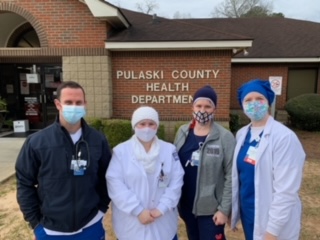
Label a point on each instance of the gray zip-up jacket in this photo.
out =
(213, 190)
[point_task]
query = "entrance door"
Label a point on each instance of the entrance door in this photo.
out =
(302, 81)
(52, 77)
(37, 88)
(9, 90)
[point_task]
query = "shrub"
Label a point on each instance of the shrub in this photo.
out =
(8, 124)
(97, 124)
(161, 132)
(304, 112)
(234, 122)
(118, 131)
(3, 104)
(178, 125)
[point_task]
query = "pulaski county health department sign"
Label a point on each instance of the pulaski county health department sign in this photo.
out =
(161, 92)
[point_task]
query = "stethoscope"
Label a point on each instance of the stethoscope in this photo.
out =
(82, 141)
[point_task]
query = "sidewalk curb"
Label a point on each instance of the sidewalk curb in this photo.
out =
(4, 180)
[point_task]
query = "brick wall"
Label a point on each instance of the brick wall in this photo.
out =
(169, 61)
(242, 73)
(60, 23)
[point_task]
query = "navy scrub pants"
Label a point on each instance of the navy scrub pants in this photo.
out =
(201, 227)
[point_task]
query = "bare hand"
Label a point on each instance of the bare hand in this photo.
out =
(155, 213)
(269, 236)
(145, 217)
(234, 229)
(219, 218)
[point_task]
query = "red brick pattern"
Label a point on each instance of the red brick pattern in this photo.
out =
(123, 89)
(242, 73)
(60, 23)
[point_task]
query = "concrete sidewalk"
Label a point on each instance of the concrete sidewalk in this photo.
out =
(9, 150)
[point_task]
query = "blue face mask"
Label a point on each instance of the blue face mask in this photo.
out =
(256, 110)
(72, 114)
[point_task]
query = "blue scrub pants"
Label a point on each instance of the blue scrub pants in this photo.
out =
(201, 227)
(93, 232)
(247, 225)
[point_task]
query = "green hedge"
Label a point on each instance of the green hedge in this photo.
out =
(304, 112)
(178, 125)
(234, 123)
(118, 131)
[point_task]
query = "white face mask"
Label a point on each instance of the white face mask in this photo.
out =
(145, 134)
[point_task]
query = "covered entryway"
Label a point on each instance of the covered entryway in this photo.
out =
(27, 100)
(32, 101)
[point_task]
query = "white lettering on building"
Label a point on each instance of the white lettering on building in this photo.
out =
(167, 87)
(195, 74)
(139, 75)
(179, 90)
(148, 99)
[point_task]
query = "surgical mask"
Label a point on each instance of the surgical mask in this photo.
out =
(72, 114)
(256, 110)
(145, 134)
(202, 117)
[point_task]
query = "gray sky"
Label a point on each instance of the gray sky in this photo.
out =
(297, 9)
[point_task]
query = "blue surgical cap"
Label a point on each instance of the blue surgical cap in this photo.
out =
(261, 86)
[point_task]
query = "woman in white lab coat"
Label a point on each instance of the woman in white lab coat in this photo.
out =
(144, 181)
(267, 170)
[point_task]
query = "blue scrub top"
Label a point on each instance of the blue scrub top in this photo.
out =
(190, 176)
(246, 185)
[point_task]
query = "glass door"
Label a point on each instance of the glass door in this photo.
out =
(52, 77)
(38, 89)
(30, 92)
(9, 90)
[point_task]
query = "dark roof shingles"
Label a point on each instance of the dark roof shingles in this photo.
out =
(272, 37)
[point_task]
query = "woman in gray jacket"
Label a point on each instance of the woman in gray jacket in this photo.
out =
(205, 150)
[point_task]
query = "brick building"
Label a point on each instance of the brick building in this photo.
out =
(125, 59)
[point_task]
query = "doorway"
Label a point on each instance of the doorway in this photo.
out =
(30, 91)
(301, 81)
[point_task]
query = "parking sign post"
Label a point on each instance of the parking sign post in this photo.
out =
(276, 85)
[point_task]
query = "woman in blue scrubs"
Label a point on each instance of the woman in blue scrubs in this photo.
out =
(267, 170)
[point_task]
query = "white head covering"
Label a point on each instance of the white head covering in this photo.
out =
(143, 113)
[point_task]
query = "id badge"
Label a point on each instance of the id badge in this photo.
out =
(78, 167)
(79, 172)
(163, 182)
(251, 156)
(195, 158)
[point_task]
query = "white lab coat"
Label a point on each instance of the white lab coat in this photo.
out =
(130, 193)
(278, 176)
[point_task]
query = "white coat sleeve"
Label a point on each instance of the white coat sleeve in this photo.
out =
(171, 196)
(121, 196)
(288, 161)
